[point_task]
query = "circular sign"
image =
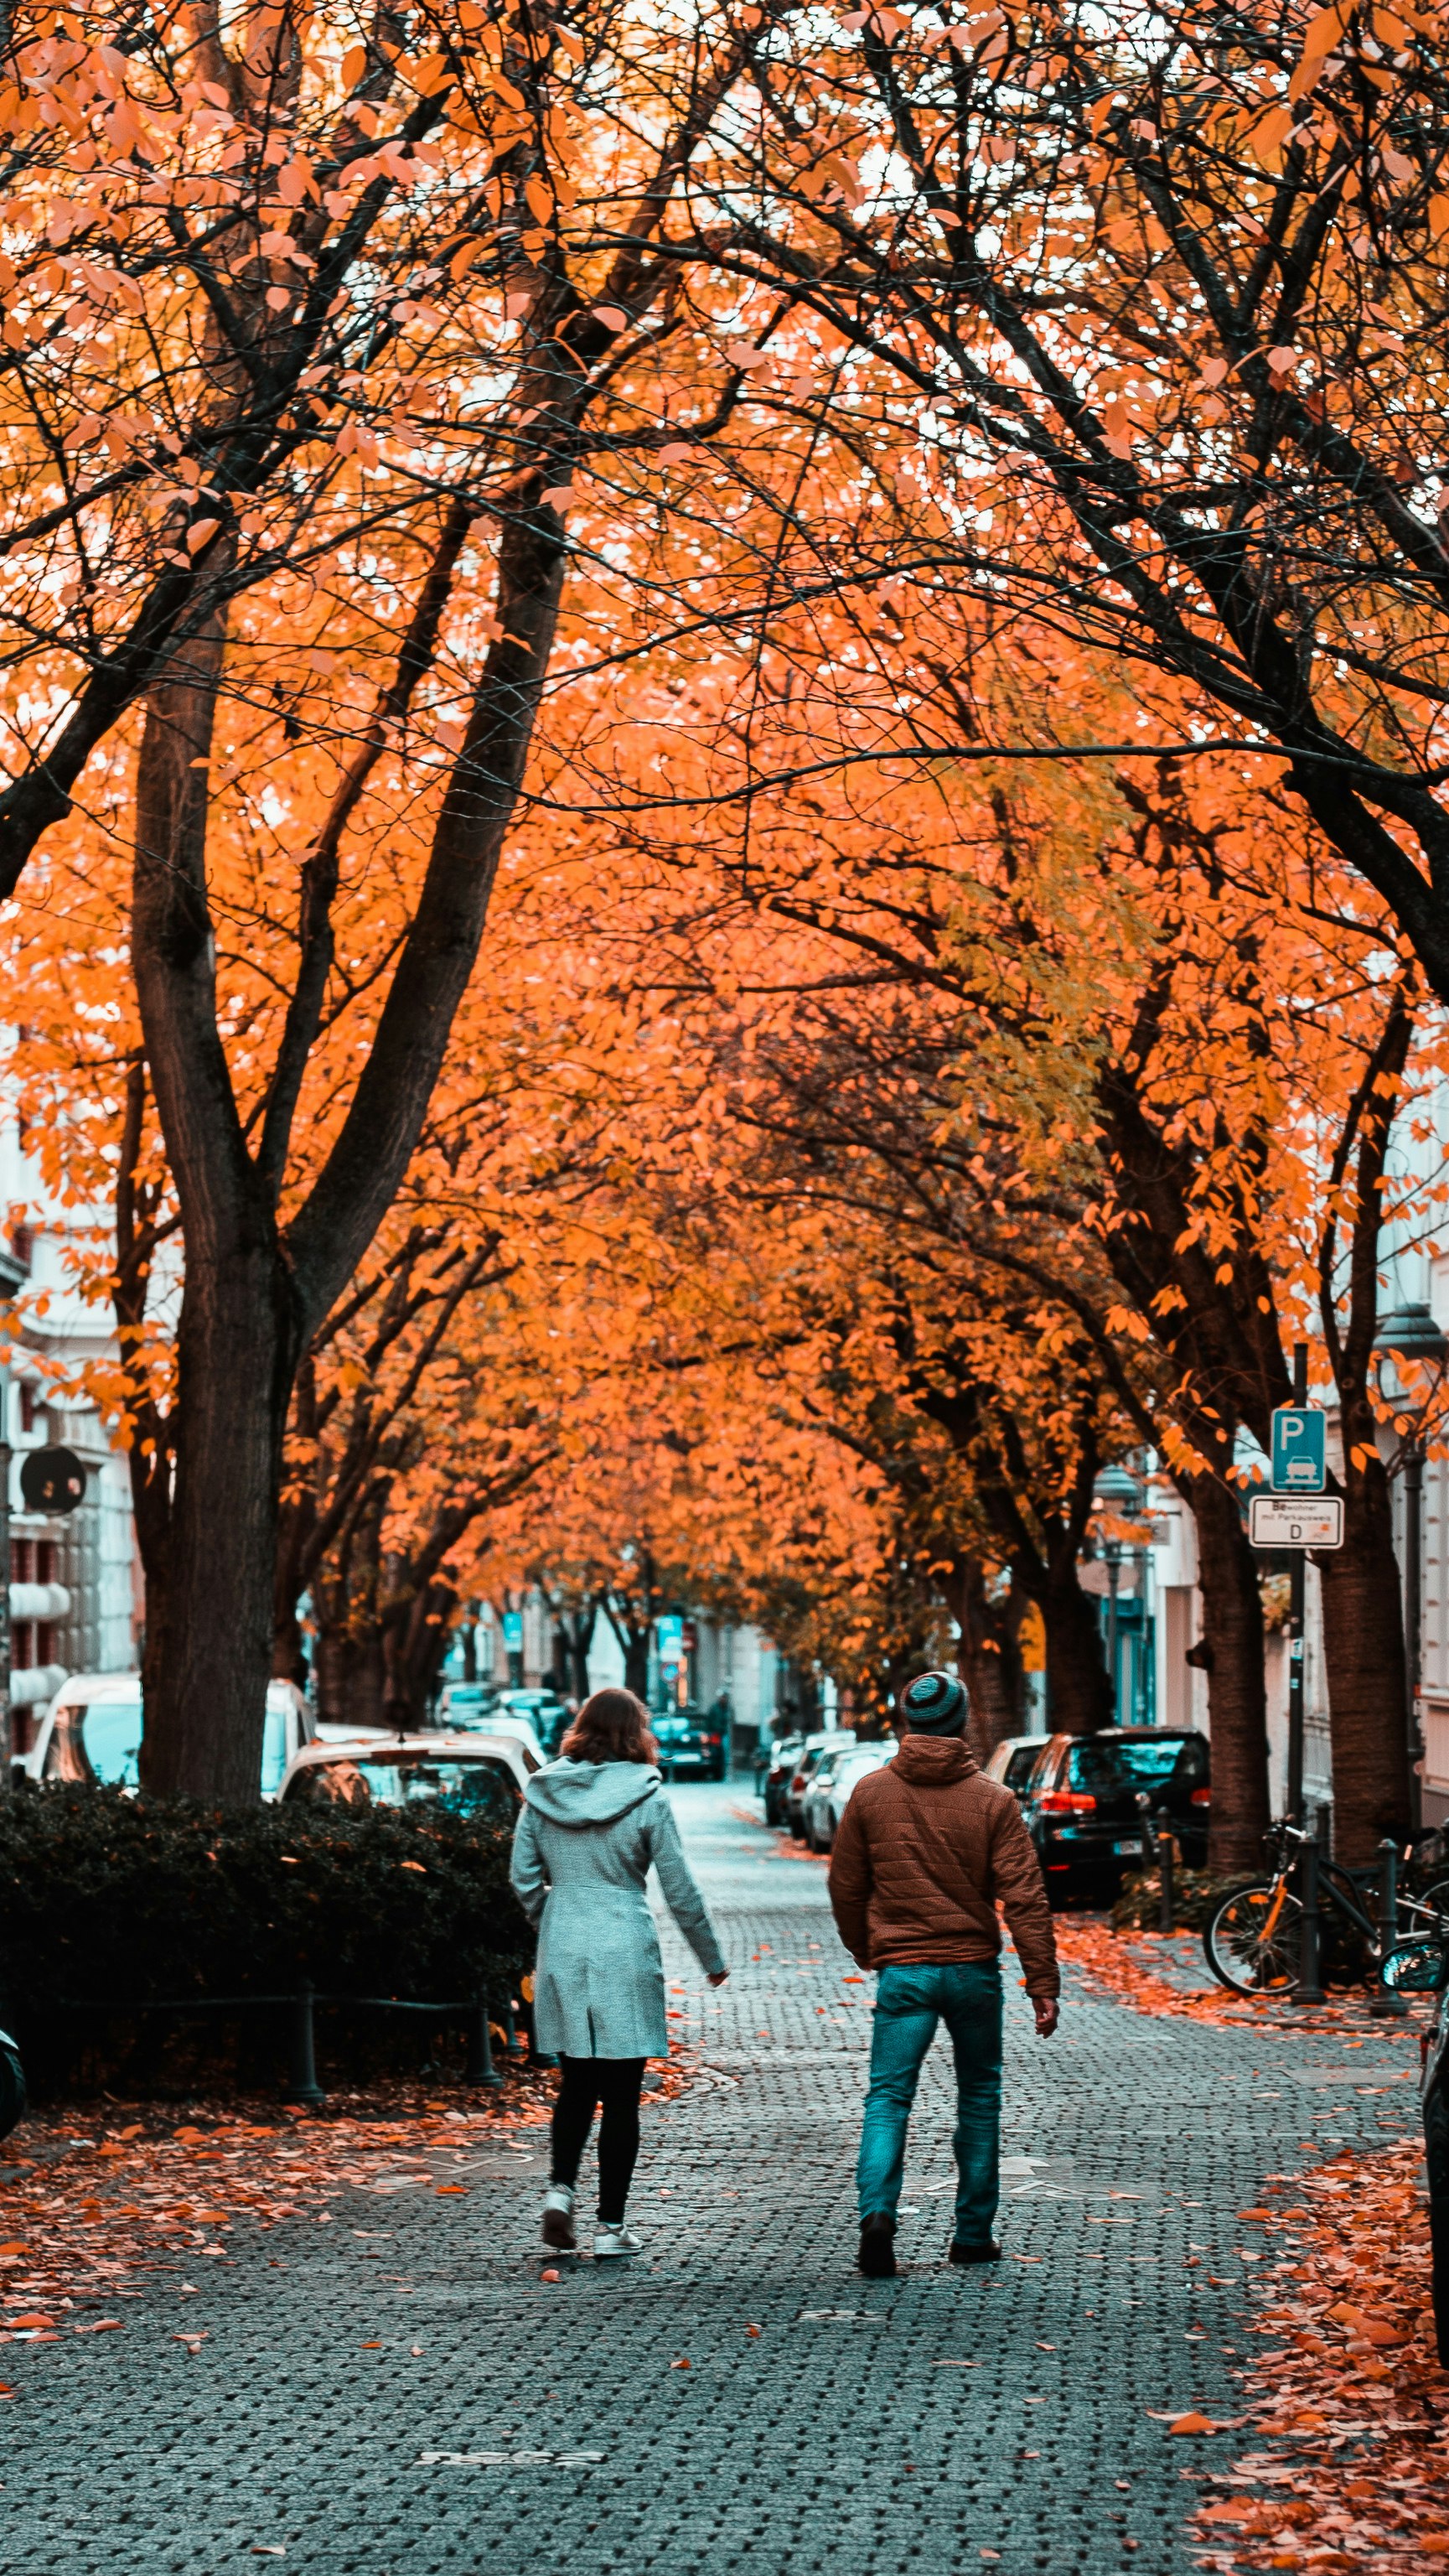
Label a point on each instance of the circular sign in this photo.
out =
(52, 1480)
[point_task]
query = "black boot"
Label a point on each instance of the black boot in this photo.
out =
(877, 2256)
(990, 2252)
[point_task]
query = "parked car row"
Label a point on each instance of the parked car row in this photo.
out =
(91, 1734)
(1090, 1802)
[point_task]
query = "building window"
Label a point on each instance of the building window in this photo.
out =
(27, 1407)
(47, 1560)
(22, 1646)
(22, 1244)
(22, 1560)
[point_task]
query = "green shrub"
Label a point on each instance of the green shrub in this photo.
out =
(117, 1901)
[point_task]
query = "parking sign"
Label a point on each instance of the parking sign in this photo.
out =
(1300, 1450)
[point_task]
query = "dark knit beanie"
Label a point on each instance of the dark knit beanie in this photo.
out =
(934, 1704)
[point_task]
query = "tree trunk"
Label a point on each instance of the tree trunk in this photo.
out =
(1363, 1643)
(1079, 1693)
(1237, 1699)
(636, 1660)
(206, 1704)
(240, 1331)
(349, 1677)
(989, 1657)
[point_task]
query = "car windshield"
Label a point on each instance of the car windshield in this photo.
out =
(1139, 1762)
(97, 1743)
(482, 1788)
(1018, 1769)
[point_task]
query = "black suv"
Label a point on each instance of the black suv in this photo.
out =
(691, 1747)
(1081, 1804)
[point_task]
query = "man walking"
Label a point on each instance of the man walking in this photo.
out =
(924, 1849)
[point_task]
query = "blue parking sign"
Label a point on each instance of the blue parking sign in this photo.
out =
(1300, 1450)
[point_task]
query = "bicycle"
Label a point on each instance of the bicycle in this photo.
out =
(1253, 1942)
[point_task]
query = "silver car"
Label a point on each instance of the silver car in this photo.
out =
(825, 1799)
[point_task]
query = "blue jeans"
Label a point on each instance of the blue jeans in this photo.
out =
(909, 2002)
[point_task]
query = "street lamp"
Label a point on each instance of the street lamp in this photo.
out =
(1410, 1333)
(1116, 1491)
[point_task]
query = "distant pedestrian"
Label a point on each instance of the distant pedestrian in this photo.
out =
(592, 1824)
(924, 1849)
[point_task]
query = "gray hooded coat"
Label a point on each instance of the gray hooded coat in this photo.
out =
(581, 1854)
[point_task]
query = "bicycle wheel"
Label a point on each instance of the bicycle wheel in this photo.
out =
(1252, 1942)
(1427, 1916)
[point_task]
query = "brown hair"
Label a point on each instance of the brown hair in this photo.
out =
(612, 1726)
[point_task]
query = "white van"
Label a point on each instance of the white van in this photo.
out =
(92, 1732)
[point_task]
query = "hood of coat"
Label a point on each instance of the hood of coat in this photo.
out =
(591, 1793)
(933, 1761)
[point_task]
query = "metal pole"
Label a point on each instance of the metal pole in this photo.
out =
(1297, 1584)
(1387, 2007)
(1309, 1989)
(304, 2086)
(1113, 1570)
(480, 2068)
(1166, 1856)
(1413, 1623)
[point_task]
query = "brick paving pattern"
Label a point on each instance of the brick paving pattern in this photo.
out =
(947, 2420)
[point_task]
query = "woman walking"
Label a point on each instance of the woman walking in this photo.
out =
(592, 1823)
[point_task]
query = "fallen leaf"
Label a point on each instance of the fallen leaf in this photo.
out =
(444, 2187)
(1192, 2422)
(679, 2365)
(549, 2275)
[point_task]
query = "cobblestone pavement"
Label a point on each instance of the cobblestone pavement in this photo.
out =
(946, 2420)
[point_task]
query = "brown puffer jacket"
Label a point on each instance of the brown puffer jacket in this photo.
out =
(925, 1848)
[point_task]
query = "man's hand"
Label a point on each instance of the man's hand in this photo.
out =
(720, 1977)
(1048, 2013)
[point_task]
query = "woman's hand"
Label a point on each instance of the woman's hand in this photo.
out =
(721, 1977)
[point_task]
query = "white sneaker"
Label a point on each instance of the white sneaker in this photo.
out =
(618, 2240)
(558, 2219)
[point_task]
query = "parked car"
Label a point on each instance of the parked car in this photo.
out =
(807, 1762)
(92, 1732)
(1082, 1811)
(1014, 1761)
(547, 1714)
(826, 1798)
(477, 1775)
(780, 1760)
(465, 1704)
(691, 1747)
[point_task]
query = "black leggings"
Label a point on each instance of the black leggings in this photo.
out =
(615, 2082)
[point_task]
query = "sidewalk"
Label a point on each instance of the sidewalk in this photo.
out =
(414, 2401)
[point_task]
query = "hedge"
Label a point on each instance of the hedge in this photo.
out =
(119, 1901)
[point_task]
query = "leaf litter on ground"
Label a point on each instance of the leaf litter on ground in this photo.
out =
(93, 2208)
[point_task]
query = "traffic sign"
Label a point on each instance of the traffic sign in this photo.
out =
(1300, 1449)
(1280, 1520)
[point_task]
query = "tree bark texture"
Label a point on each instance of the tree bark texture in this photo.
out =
(989, 1658)
(1079, 1691)
(1232, 1613)
(1363, 1645)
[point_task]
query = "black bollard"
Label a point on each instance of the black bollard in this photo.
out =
(304, 2086)
(1309, 1989)
(1387, 2006)
(1166, 1857)
(479, 2068)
